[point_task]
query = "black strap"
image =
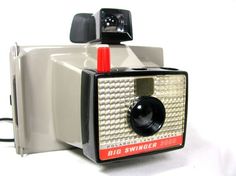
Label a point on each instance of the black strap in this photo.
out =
(6, 140)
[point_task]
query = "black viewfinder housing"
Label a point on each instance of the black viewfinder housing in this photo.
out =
(110, 26)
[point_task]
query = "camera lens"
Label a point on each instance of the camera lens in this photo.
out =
(147, 115)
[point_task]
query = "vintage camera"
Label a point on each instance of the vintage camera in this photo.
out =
(111, 100)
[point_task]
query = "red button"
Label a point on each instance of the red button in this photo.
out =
(103, 60)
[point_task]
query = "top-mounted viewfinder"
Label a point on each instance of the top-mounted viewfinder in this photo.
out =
(110, 26)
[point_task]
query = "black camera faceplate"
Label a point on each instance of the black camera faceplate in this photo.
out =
(89, 107)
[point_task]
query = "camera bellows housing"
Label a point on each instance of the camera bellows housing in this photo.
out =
(122, 113)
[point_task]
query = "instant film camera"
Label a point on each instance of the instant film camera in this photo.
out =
(111, 100)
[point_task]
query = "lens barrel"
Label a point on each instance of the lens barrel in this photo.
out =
(146, 115)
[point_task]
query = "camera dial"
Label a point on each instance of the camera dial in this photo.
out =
(146, 115)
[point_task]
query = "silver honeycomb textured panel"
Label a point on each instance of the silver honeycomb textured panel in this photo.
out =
(116, 95)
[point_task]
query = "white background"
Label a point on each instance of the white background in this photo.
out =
(197, 36)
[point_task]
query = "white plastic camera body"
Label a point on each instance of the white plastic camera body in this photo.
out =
(111, 100)
(47, 100)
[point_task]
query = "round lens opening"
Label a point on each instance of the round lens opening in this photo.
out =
(147, 116)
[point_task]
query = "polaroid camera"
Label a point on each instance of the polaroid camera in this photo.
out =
(111, 100)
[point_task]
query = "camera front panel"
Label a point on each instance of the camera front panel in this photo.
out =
(140, 114)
